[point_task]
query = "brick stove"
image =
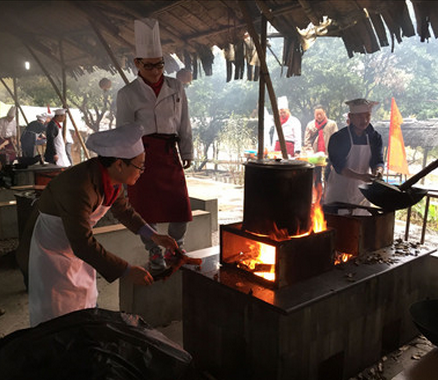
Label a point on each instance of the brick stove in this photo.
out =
(309, 323)
(291, 260)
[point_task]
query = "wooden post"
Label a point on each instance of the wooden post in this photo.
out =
(64, 102)
(64, 89)
(264, 71)
(261, 103)
(16, 144)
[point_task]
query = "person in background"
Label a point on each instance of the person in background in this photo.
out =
(317, 136)
(8, 137)
(33, 136)
(159, 103)
(356, 154)
(64, 255)
(56, 152)
(291, 129)
(69, 144)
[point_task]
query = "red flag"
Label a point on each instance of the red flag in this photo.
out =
(48, 109)
(396, 147)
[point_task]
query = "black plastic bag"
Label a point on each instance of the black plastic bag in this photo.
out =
(92, 344)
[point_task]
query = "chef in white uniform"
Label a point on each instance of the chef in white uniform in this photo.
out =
(56, 152)
(291, 129)
(159, 103)
(356, 155)
(64, 256)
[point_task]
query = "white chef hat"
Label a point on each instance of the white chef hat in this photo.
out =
(11, 112)
(60, 111)
(147, 38)
(282, 103)
(361, 105)
(43, 117)
(122, 142)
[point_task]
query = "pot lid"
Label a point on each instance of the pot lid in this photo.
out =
(280, 164)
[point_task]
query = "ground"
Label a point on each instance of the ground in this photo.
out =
(14, 303)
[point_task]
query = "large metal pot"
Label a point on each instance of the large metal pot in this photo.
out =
(278, 194)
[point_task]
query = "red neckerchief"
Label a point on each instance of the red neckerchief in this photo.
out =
(155, 86)
(110, 191)
(321, 143)
(59, 125)
(284, 119)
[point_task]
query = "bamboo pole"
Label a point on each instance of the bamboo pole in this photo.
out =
(64, 88)
(264, 71)
(261, 103)
(15, 100)
(16, 144)
(109, 51)
(64, 102)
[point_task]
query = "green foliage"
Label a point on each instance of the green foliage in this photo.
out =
(83, 93)
(37, 91)
(236, 136)
(418, 212)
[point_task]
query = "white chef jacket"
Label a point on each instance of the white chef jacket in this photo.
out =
(165, 114)
(292, 132)
(7, 128)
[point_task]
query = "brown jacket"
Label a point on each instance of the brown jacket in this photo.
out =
(311, 135)
(74, 195)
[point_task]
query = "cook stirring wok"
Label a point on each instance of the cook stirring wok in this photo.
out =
(64, 255)
(356, 153)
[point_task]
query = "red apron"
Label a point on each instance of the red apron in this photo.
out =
(160, 194)
(8, 149)
(290, 147)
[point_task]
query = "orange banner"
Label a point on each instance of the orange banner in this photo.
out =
(396, 147)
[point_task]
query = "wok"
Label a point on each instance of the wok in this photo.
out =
(425, 317)
(390, 197)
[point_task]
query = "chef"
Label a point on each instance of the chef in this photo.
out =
(356, 154)
(291, 129)
(8, 136)
(64, 255)
(159, 103)
(56, 152)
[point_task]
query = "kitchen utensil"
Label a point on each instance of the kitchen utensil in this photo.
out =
(391, 197)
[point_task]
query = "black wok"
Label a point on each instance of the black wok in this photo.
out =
(425, 317)
(390, 197)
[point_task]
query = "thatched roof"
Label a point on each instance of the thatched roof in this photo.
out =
(416, 133)
(73, 34)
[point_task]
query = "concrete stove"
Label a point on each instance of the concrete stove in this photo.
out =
(330, 326)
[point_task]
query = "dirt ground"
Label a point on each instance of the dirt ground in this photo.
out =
(14, 303)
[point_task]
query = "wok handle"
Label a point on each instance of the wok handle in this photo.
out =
(422, 173)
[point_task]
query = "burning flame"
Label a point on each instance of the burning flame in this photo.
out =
(319, 222)
(342, 258)
(264, 259)
(263, 255)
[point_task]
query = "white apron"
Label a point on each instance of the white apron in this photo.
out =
(344, 189)
(59, 281)
(61, 152)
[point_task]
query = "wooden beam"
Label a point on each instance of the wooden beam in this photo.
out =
(265, 72)
(109, 51)
(17, 104)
